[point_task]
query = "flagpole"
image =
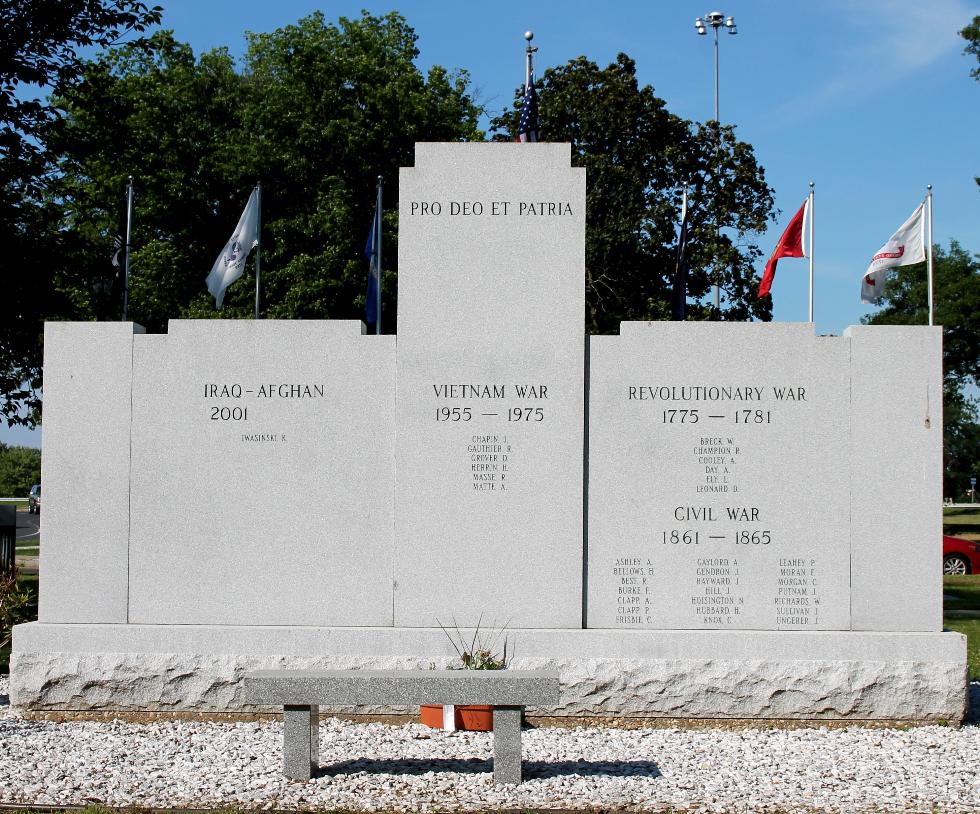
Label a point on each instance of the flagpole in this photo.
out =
(258, 243)
(929, 255)
(680, 292)
(528, 35)
(129, 226)
(377, 249)
(810, 253)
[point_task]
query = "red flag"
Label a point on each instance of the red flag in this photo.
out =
(790, 245)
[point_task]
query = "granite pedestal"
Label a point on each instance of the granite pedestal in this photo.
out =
(818, 675)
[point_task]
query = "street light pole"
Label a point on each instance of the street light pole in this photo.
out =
(717, 120)
(716, 20)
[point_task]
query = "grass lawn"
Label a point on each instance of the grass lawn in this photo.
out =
(962, 523)
(971, 627)
(957, 514)
(963, 592)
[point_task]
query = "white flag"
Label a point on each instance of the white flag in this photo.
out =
(231, 262)
(905, 247)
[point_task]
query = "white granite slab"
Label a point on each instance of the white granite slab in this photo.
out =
(490, 386)
(718, 497)
(262, 474)
(896, 430)
(88, 370)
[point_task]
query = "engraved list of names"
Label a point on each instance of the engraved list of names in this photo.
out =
(725, 510)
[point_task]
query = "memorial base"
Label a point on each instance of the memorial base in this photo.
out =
(605, 673)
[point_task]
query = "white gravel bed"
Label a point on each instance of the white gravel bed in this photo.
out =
(371, 767)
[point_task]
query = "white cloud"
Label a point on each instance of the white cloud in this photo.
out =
(908, 34)
(882, 42)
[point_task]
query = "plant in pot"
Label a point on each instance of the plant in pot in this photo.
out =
(477, 652)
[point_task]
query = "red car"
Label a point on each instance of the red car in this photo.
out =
(960, 556)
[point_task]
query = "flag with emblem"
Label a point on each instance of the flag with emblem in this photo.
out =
(231, 262)
(118, 250)
(905, 247)
(117, 246)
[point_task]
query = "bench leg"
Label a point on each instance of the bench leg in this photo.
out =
(507, 744)
(300, 741)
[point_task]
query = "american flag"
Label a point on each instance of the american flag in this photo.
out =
(528, 129)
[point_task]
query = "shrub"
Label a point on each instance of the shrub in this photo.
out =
(15, 606)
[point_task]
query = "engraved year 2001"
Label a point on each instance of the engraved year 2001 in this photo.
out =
(229, 413)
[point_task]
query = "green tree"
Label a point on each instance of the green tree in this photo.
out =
(972, 36)
(316, 113)
(638, 156)
(20, 468)
(173, 122)
(961, 441)
(957, 308)
(39, 52)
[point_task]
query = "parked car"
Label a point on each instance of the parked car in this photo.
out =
(960, 556)
(34, 499)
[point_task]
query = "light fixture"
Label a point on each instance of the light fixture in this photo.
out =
(716, 20)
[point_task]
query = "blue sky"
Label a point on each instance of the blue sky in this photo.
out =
(871, 100)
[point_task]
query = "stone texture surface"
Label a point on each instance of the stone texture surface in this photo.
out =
(507, 745)
(838, 471)
(431, 644)
(88, 369)
(301, 690)
(648, 766)
(715, 492)
(402, 687)
(300, 741)
(896, 428)
(627, 673)
(488, 505)
(262, 474)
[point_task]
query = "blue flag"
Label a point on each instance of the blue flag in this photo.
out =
(371, 253)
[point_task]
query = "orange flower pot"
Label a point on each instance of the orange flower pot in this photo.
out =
(469, 718)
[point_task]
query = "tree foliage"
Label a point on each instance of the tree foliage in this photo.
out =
(972, 36)
(20, 469)
(39, 50)
(956, 307)
(639, 156)
(315, 112)
(39, 53)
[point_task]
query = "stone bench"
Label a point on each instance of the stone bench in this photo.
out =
(301, 692)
